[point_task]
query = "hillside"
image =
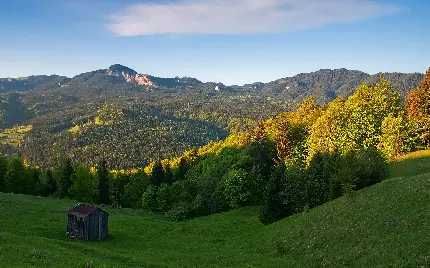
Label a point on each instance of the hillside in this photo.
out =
(385, 225)
(326, 84)
(160, 117)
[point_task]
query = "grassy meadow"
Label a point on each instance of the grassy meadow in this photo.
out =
(386, 225)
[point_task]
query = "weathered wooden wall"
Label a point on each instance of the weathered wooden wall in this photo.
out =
(92, 227)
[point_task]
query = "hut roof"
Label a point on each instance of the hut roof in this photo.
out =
(82, 210)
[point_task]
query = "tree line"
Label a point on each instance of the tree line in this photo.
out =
(287, 164)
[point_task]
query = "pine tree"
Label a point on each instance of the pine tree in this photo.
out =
(180, 170)
(156, 177)
(168, 175)
(3, 170)
(15, 178)
(63, 172)
(53, 188)
(103, 176)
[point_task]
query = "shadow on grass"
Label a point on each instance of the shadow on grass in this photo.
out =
(408, 167)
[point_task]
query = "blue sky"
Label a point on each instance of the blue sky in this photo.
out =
(229, 41)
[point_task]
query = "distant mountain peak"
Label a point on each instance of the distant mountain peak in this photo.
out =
(118, 68)
(130, 75)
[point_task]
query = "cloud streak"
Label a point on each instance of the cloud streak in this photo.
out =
(240, 16)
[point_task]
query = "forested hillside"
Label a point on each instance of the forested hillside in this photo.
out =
(131, 118)
(287, 164)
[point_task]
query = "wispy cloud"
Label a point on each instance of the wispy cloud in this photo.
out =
(240, 16)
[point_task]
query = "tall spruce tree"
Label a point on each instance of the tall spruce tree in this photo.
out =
(180, 170)
(168, 175)
(3, 170)
(103, 176)
(53, 188)
(157, 174)
(63, 172)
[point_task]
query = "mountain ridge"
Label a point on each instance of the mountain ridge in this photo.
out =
(83, 115)
(300, 81)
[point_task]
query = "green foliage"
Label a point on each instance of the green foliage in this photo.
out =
(366, 110)
(17, 179)
(321, 152)
(179, 211)
(149, 197)
(356, 170)
(3, 170)
(157, 176)
(164, 197)
(63, 171)
(12, 110)
(263, 154)
(103, 177)
(180, 170)
(294, 191)
(117, 185)
(274, 207)
(321, 169)
(395, 213)
(326, 133)
(356, 122)
(35, 184)
(134, 190)
(399, 136)
(51, 182)
(84, 186)
(239, 188)
(47, 184)
(169, 195)
(168, 175)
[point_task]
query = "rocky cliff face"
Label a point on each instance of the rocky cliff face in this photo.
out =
(129, 75)
(140, 79)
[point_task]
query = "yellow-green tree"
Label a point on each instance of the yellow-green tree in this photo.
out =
(366, 110)
(84, 187)
(354, 123)
(399, 136)
(326, 133)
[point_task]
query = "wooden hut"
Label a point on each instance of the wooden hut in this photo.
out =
(87, 222)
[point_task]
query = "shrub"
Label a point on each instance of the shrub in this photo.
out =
(197, 207)
(134, 190)
(164, 197)
(180, 211)
(358, 169)
(211, 191)
(149, 197)
(167, 195)
(372, 167)
(239, 187)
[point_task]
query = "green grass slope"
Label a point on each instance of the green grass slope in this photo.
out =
(386, 225)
